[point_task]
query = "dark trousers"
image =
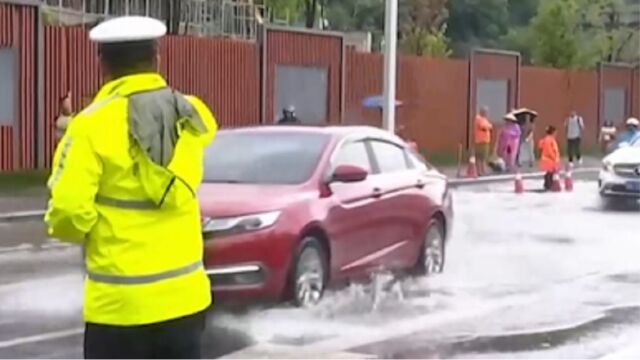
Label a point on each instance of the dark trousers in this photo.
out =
(573, 148)
(175, 339)
(548, 181)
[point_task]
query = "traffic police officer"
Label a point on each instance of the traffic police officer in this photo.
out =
(123, 186)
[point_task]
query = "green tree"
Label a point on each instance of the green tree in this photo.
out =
(423, 27)
(476, 23)
(519, 38)
(284, 10)
(521, 12)
(557, 37)
(356, 15)
(424, 42)
(614, 26)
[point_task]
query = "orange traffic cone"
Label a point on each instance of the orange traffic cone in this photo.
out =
(472, 169)
(518, 185)
(556, 186)
(568, 179)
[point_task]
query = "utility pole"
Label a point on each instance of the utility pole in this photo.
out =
(390, 49)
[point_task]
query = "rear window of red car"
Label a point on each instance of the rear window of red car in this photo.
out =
(263, 157)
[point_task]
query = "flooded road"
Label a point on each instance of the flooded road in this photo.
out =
(527, 276)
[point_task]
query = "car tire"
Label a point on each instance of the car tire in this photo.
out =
(431, 258)
(309, 273)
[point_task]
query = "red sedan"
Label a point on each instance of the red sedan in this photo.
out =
(288, 211)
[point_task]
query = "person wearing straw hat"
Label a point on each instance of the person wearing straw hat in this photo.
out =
(123, 186)
(508, 141)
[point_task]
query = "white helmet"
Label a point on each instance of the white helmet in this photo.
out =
(633, 122)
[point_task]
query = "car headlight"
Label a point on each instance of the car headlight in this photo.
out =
(607, 166)
(242, 223)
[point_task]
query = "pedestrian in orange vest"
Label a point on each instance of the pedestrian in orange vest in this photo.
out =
(482, 139)
(549, 156)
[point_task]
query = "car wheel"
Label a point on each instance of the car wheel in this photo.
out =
(309, 273)
(432, 252)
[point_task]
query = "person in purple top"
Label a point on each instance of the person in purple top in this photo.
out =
(509, 141)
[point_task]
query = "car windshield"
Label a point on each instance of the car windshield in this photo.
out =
(263, 157)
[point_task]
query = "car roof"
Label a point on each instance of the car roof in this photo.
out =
(339, 132)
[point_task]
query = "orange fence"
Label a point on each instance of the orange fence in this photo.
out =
(237, 80)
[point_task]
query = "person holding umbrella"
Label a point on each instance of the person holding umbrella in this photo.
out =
(377, 102)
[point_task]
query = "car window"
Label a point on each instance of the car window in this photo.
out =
(389, 157)
(353, 153)
(263, 157)
(416, 161)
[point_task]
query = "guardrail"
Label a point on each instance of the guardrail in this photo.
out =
(21, 216)
(455, 182)
(24, 216)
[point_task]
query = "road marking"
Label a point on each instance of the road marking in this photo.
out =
(42, 337)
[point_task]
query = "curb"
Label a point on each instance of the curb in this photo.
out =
(19, 216)
(263, 351)
(511, 177)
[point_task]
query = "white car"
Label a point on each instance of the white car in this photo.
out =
(620, 174)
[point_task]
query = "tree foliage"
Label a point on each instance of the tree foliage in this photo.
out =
(287, 10)
(560, 33)
(423, 27)
(476, 23)
(612, 30)
(433, 43)
(580, 33)
(356, 15)
(556, 34)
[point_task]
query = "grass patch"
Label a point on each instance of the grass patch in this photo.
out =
(23, 181)
(440, 158)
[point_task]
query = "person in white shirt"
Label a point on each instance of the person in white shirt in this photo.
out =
(607, 136)
(574, 126)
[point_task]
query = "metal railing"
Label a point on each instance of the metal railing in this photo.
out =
(233, 18)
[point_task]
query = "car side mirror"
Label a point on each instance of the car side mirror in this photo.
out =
(349, 173)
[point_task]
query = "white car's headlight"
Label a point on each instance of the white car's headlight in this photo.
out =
(243, 223)
(607, 166)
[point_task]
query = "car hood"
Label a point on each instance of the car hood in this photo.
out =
(225, 200)
(625, 155)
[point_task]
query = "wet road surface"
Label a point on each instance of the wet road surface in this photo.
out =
(527, 276)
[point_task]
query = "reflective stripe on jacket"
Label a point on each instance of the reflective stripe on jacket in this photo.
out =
(549, 154)
(139, 220)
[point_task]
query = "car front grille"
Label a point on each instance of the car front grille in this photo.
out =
(627, 170)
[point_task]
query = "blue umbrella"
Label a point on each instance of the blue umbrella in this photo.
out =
(376, 101)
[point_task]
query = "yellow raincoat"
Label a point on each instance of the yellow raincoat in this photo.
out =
(137, 217)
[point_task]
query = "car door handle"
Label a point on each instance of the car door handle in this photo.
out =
(420, 184)
(377, 192)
